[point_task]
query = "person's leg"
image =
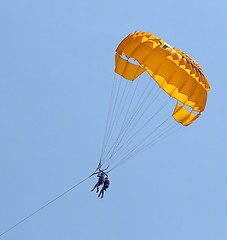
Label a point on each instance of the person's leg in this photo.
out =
(103, 192)
(100, 192)
(96, 185)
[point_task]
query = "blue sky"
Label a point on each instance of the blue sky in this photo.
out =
(56, 71)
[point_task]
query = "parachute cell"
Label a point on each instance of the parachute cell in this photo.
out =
(183, 116)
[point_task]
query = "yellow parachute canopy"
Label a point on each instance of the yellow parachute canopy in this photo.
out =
(174, 71)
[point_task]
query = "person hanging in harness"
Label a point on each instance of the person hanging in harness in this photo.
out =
(105, 186)
(99, 183)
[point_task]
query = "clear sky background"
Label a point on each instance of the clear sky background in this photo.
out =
(56, 71)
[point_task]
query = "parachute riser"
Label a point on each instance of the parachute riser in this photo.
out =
(99, 170)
